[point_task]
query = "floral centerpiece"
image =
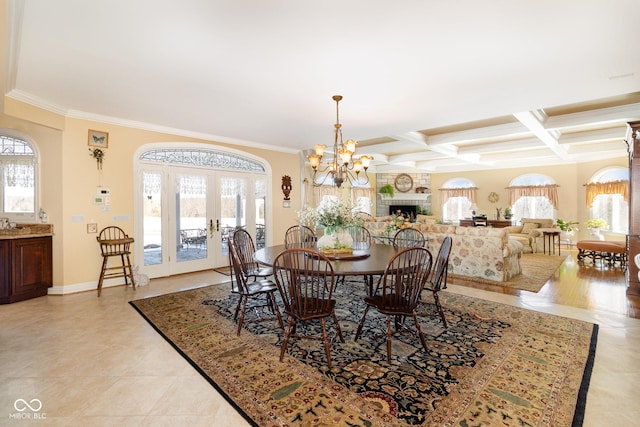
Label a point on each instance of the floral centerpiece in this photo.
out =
(398, 222)
(336, 218)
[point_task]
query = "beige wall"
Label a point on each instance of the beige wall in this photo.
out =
(70, 179)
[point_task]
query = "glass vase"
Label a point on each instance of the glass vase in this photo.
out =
(334, 239)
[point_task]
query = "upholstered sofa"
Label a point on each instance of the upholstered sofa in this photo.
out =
(477, 252)
(529, 233)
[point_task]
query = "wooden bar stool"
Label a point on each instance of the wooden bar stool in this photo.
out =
(115, 243)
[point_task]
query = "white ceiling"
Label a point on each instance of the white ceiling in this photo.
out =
(438, 86)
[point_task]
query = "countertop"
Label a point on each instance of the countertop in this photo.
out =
(26, 231)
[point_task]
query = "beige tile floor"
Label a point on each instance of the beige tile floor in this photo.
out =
(95, 361)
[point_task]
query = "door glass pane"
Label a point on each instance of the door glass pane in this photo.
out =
(191, 217)
(152, 214)
(260, 199)
(233, 198)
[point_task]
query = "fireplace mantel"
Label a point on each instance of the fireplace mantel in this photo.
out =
(405, 196)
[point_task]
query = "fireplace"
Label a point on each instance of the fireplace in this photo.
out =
(408, 211)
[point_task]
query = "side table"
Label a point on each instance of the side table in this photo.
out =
(549, 238)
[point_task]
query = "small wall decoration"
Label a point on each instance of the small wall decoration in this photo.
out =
(97, 154)
(98, 139)
(286, 186)
(493, 197)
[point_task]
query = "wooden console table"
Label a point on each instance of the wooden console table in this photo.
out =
(495, 223)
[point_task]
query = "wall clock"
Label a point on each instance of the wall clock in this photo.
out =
(493, 197)
(403, 182)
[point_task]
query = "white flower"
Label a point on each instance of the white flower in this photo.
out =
(596, 223)
(331, 216)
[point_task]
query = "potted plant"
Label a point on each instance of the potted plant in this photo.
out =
(594, 226)
(508, 213)
(567, 226)
(387, 190)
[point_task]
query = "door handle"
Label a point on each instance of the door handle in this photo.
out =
(211, 229)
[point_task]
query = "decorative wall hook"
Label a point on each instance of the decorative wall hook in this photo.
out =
(97, 154)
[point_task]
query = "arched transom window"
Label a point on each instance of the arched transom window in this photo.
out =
(202, 158)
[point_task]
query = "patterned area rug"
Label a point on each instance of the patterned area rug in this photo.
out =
(536, 270)
(494, 365)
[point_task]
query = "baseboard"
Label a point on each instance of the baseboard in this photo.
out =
(83, 287)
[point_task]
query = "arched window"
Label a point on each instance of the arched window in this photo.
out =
(458, 197)
(533, 196)
(19, 177)
(607, 198)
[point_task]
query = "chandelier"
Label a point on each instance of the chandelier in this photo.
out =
(343, 165)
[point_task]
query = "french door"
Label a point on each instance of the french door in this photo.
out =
(188, 215)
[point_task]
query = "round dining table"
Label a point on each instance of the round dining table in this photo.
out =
(368, 262)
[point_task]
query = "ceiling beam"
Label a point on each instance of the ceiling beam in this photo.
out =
(534, 121)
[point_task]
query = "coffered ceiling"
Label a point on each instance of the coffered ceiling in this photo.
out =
(428, 85)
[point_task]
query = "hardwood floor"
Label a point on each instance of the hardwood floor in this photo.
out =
(582, 285)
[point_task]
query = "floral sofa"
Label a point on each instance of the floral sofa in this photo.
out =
(477, 252)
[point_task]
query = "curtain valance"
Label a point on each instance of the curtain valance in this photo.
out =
(468, 192)
(612, 187)
(550, 191)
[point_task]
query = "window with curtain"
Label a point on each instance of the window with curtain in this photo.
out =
(362, 199)
(458, 196)
(18, 174)
(533, 196)
(608, 198)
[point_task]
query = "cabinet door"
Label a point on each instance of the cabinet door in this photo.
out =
(5, 271)
(32, 267)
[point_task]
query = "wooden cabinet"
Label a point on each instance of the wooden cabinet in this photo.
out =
(495, 223)
(633, 239)
(26, 268)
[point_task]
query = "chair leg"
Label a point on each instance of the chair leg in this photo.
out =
(245, 299)
(275, 305)
(389, 335)
(235, 316)
(133, 283)
(436, 299)
(104, 268)
(420, 334)
(325, 339)
(124, 271)
(361, 324)
(291, 323)
(335, 320)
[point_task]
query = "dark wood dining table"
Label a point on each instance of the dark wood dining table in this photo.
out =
(359, 264)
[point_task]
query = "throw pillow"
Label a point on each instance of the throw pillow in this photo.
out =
(528, 226)
(516, 229)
